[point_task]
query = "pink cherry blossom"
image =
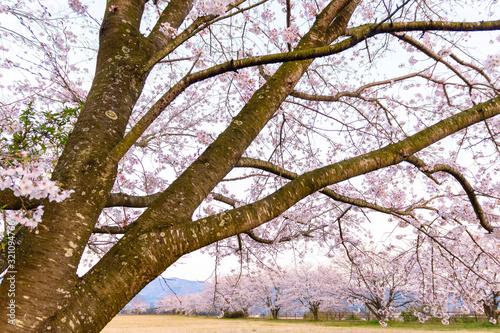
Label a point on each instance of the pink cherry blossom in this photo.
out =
(77, 6)
(168, 30)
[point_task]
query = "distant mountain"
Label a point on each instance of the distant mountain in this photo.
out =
(161, 287)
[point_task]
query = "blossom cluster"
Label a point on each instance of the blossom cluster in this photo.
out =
(291, 34)
(168, 30)
(492, 63)
(204, 138)
(77, 6)
(32, 185)
(217, 7)
(432, 312)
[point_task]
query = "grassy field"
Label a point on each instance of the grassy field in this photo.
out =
(184, 324)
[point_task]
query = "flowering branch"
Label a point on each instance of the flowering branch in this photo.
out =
(257, 213)
(469, 190)
(421, 47)
(358, 35)
(269, 167)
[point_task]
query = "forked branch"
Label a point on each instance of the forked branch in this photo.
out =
(469, 190)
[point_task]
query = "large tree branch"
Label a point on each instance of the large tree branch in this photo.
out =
(163, 233)
(469, 190)
(269, 167)
(219, 158)
(425, 26)
(357, 35)
(250, 216)
(124, 200)
(174, 14)
(11, 202)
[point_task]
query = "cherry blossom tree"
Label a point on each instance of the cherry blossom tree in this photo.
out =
(137, 305)
(188, 304)
(240, 124)
(462, 278)
(269, 287)
(171, 304)
(312, 288)
(381, 281)
(491, 307)
(229, 293)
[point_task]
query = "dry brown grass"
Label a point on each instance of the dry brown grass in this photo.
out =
(182, 324)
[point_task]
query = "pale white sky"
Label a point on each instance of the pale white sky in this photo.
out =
(194, 266)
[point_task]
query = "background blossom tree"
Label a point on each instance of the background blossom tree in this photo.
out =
(313, 289)
(231, 293)
(465, 279)
(137, 305)
(270, 290)
(380, 281)
(243, 125)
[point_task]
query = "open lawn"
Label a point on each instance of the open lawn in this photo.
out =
(184, 324)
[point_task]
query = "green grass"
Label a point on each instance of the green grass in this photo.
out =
(430, 325)
(481, 326)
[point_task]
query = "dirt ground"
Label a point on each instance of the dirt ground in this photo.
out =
(180, 324)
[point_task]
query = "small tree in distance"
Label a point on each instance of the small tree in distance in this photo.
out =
(380, 281)
(491, 305)
(467, 284)
(137, 305)
(233, 293)
(313, 288)
(157, 128)
(269, 288)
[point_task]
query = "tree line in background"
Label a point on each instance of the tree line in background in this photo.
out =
(383, 285)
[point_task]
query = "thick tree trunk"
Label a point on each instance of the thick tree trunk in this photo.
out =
(315, 311)
(46, 263)
(274, 313)
(374, 311)
(491, 309)
(49, 295)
